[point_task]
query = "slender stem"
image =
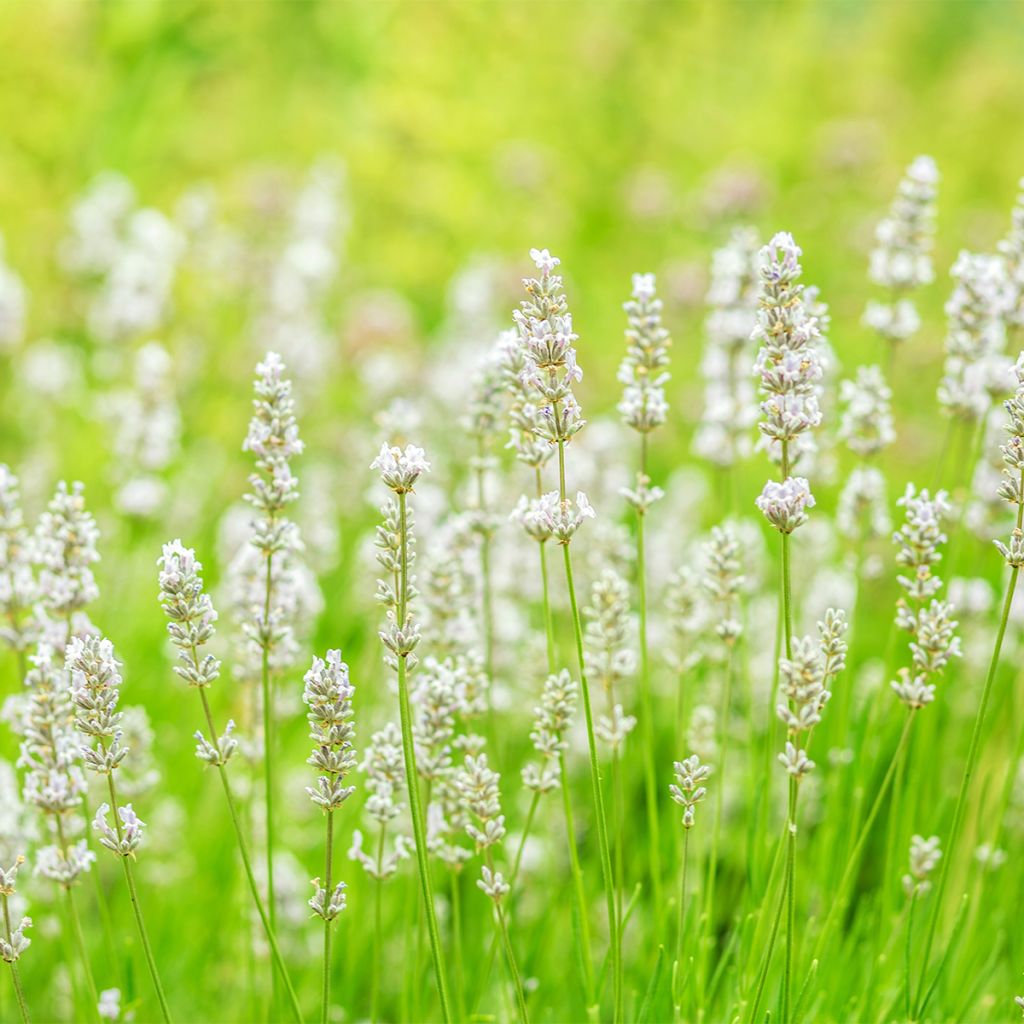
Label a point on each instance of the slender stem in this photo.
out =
(415, 810)
(328, 869)
(595, 766)
(15, 976)
(677, 995)
(76, 924)
(266, 692)
(580, 901)
(965, 782)
(460, 974)
(907, 951)
(762, 976)
(513, 970)
(247, 864)
(787, 977)
(549, 624)
(129, 877)
(378, 930)
(646, 709)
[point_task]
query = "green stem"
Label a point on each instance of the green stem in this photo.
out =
(133, 894)
(268, 742)
(415, 810)
(762, 975)
(328, 869)
(513, 970)
(646, 708)
(787, 977)
(76, 925)
(677, 995)
(965, 782)
(460, 975)
(580, 902)
(15, 976)
(247, 863)
(378, 931)
(907, 951)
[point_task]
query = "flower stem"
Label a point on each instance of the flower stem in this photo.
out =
(15, 977)
(646, 710)
(133, 894)
(266, 692)
(460, 974)
(965, 782)
(328, 868)
(907, 951)
(513, 970)
(787, 977)
(76, 924)
(677, 995)
(415, 810)
(580, 920)
(378, 931)
(247, 864)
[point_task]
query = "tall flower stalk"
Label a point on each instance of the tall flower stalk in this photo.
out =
(1012, 491)
(327, 693)
(273, 437)
(95, 692)
(191, 626)
(400, 470)
(688, 790)
(789, 368)
(644, 408)
(545, 329)
(13, 940)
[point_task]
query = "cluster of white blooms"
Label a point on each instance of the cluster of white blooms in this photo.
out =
(524, 414)
(901, 260)
(788, 361)
(477, 786)
(1011, 249)
(14, 944)
(51, 757)
(686, 617)
(688, 789)
(327, 693)
(447, 586)
(384, 769)
(924, 858)
(13, 301)
(1011, 488)
(552, 719)
(723, 581)
(862, 510)
(975, 366)
(548, 517)
(545, 329)
(302, 271)
(642, 373)
(804, 677)
(147, 430)
(730, 408)
(783, 504)
(273, 437)
(866, 424)
(65, 548)
(109, 1006)
(610, 656)
(18, 589)
(928, 620)
(126, 836)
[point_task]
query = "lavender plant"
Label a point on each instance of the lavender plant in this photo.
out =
(13, 940)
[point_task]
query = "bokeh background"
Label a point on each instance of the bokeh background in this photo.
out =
(424, 148)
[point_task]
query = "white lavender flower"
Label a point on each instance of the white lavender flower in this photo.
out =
(804, 677)
(548, 517)
(924, 858)
(901, 258)
(689, 790)
(190, 611)
(730, 407)
(18, 588)
(976, 335)
(109, 1006)
(435, 702)
(788, 363)
(1011, 488)
(65, 547)
(544, 324)
(13, 302)
(783, 504)
(552, 719)
(477, 786)
(400, 469)
(328, 906)
(493, 884)
(11, 948)
(866, 424)
(1011, 248)
(95, 692)
(125, 838)
(642, 373)
(327, 693)
(723, 581)
(524, 414)
(686, 615)
(64, 865)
